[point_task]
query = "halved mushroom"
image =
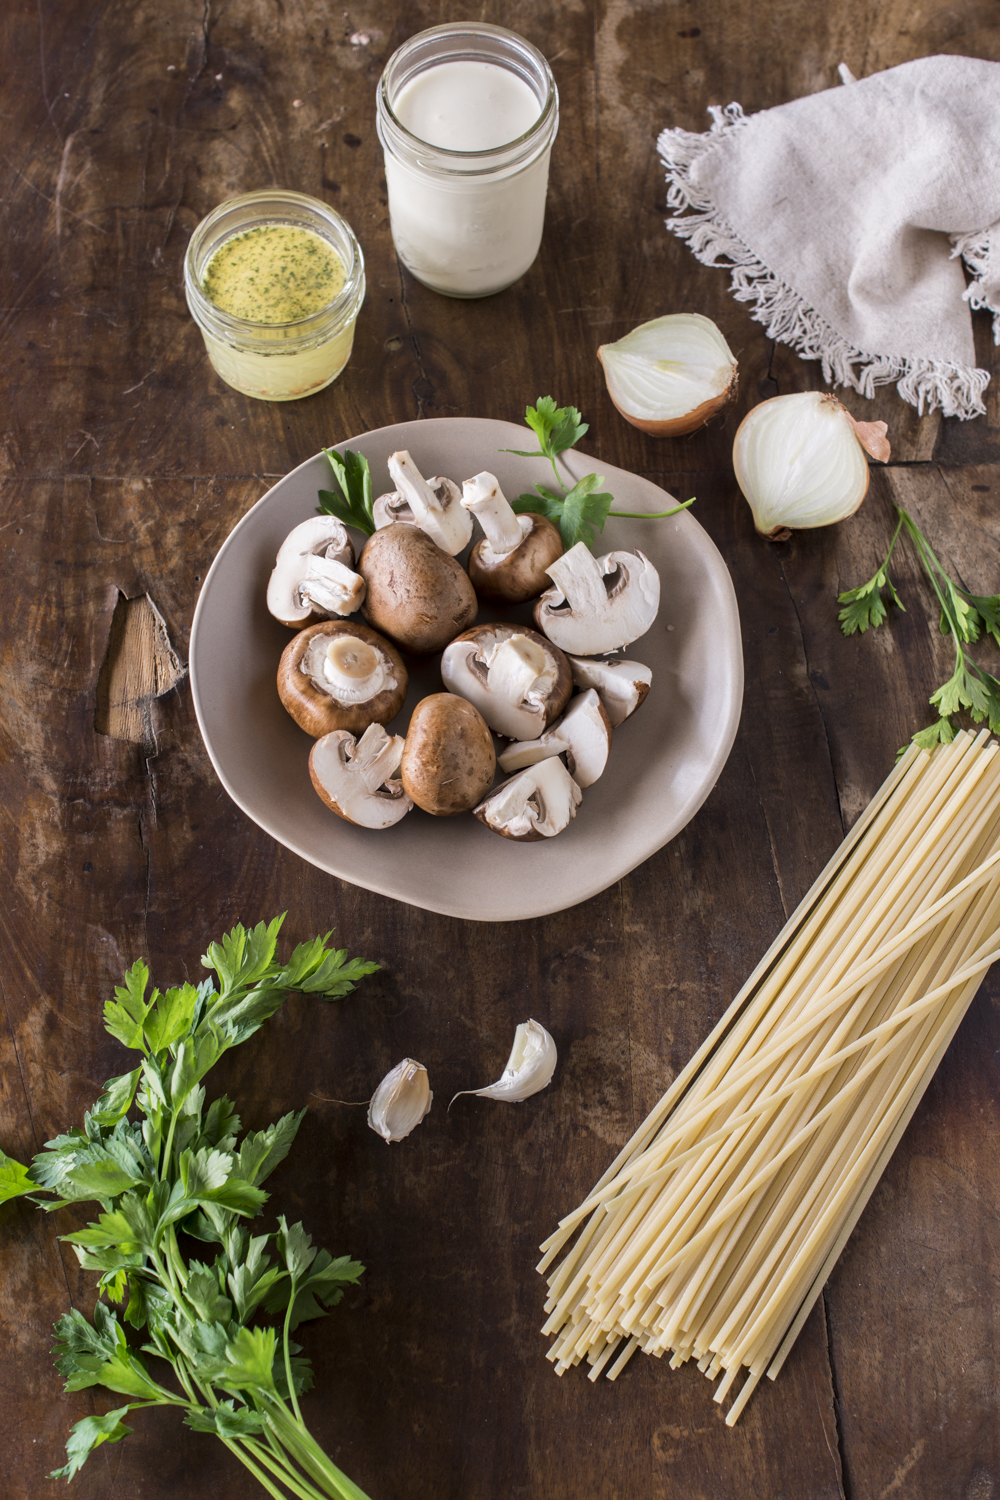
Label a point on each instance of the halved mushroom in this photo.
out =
(357, 777)
(599, 603)
(536, 804)
(341, 675)
(313, 575)
(511, 561)
(621, 685)
(417, 593)
(448, 759)
(583, 735)
(435, 505)
(517, 679)
(396, 507)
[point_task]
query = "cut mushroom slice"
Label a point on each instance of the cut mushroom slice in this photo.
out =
(517, 679)
(621, 685)
(536, 804)
(598, 604)
(341, 675)
(313, 575)
(357, 778)
(583, 735)
(511, 562)
(438, 511)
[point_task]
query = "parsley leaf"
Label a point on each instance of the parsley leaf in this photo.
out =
(352, 501)
(987, 610)
(576, 513)
(864, 605)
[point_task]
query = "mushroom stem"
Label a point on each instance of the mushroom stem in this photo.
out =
(483, 496)
(514, 666)
(444, 522)
(376, 756)
(578, 576)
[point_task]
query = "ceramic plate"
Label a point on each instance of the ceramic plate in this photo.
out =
(664, 760)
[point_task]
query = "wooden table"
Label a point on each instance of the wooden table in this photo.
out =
(124, 465)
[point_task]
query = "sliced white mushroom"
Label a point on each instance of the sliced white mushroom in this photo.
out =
(536, 804)
(583, 735)
(621, 685)
(518, 681)
(435, 504)
(313, 573)
(357, 778)
(598, 604)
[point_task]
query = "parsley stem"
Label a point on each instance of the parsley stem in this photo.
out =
(288, 1353)
(257, 1473)
(652, 515)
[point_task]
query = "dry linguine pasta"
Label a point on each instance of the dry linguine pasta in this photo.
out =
(711, 1234)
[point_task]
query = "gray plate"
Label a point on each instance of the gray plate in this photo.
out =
(664, 760)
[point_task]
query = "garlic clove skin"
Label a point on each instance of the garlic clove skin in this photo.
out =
(800, 461)
(401, 1100)
(529, 1069)
(670, 375)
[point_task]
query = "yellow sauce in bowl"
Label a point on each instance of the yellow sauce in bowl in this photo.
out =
(273, 273)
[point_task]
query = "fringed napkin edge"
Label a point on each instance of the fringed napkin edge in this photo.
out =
(925, 383)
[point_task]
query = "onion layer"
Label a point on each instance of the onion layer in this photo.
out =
(799, 462)
(670, 375)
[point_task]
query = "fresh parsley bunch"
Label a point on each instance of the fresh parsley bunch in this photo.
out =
(965, 617)
(182, 1170)
(579, 510)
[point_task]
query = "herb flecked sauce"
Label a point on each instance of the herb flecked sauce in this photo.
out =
(274, 273)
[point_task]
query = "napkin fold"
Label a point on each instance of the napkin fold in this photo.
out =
(844, 218)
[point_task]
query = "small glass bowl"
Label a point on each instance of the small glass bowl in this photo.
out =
(276, 361)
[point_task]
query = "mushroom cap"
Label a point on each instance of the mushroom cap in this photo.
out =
(448, 759)
(583, 735)
(319, 540)
(466, 668)
(521, 574)
(355, 777)
(621, 685)
(317, 710)
(535, 804)
(598, 604)
(418, 595)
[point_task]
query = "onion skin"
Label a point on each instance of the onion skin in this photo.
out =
(678, 426)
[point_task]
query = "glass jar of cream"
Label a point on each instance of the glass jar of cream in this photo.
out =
(274, 281)
(467, 114)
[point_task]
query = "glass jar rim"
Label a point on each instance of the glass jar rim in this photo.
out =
(315, 324)
(472, 28)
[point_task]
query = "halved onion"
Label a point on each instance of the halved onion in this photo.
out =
(800, 461)
(670, 375)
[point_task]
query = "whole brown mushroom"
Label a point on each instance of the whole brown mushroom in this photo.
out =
(341, 675)
(448, 760)
(416, 594)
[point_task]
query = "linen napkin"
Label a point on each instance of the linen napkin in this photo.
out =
(844, 218)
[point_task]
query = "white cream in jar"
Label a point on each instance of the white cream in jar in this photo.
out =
(467, 115)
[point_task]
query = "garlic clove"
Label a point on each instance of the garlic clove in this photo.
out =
(529, 1069)
(800, 461)
(401, 1100)
(668, 376)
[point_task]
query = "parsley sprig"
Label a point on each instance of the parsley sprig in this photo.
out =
(579, 510)
(185, 1170)
(964, 616)
(351, 502)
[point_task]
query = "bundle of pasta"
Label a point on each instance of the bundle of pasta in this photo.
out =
(712, 1233)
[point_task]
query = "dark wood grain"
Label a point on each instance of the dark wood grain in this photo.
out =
(124, 463)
